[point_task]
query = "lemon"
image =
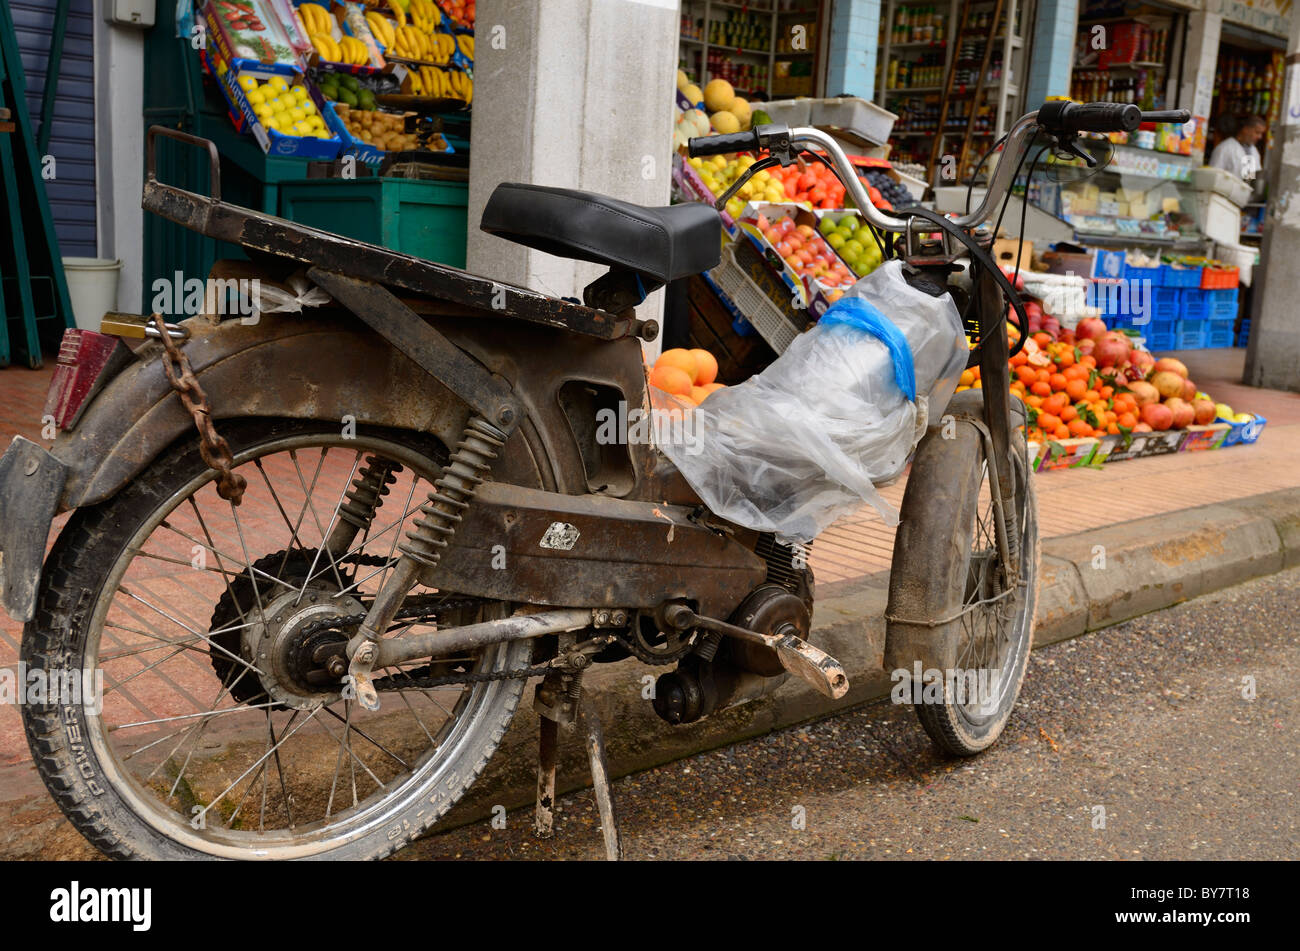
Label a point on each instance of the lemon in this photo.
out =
(296, 114)
(247, 83)
(278, 82)
(308, 107)
(316, 122)
(299, 93)
(263, 112)
(255, 97)
(301, 128)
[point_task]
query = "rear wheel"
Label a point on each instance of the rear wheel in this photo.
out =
(949, 572)
(224, 729)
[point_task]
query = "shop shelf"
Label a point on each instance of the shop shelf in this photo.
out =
(1221, 304)
(1220, 277)
(1171, 276)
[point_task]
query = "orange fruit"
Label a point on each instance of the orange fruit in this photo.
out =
(1079, 427)
(683, 360)
(1092, 396)
(1066, 358)
(967, 378)
(671, 379)
(710, 387)
(1043, 375)
(1041, 388)
(1127, 420)
(1107, 392)
(1068, 413)
(1062, 432)
(706, 366)
(1048, 420)
(1058, 381)
(1112, 429)
(1026, 374)
(1075, 389)
(1042, 339)
(1034, 401)
(698, 393)
(1089, 361)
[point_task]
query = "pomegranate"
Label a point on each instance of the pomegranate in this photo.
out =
(1189, 390)
(1204, 410)
(1183, 412)
(1142, 362)
(1145, 392)
(1141, 428)
(1171, 365)
(1158, 416)
(1111, 349)
(1090, 328)
(1167, 383)
(1085, 345)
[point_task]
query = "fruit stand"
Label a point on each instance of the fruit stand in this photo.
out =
(1094, 391)
(352, 117)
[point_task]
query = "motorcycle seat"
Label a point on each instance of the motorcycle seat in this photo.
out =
(662, 243)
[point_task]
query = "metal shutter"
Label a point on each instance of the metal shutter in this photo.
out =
(72, 142)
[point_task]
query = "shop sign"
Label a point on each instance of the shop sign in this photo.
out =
(1268, 16)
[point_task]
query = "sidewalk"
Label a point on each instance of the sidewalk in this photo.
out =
(1208, 545)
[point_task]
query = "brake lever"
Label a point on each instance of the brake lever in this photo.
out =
(740, 182)
(1067, 145)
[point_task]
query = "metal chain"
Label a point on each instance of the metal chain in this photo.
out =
(214, 450)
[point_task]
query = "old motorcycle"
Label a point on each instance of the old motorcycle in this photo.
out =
(314, 559)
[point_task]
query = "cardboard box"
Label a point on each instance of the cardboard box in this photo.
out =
(1010, 253)
(1067, 453)
(1068, 262)
(1140, 445)
(1202, 438)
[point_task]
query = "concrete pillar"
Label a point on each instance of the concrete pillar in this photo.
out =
(575, 94)
(855, 35)
(1273, 354)
(1199, 66)
(1051, 51)
(119, 155)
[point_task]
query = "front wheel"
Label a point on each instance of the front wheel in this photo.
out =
(956, 604)
(218, 729)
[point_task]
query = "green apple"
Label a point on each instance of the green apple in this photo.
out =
(836, 240)
(826, 226)
(849, 222)
(853, 247)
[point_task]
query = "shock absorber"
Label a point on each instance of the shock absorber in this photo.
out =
(363, 500)
(441, 515)
(439, 518)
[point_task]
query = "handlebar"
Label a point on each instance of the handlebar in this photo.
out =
(1057, 117)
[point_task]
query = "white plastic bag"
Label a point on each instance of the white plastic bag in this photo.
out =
(799, 445)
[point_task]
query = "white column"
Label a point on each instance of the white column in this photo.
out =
(1200, 64)
(576, 94)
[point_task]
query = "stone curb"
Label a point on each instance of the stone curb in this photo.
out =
(1088, 582)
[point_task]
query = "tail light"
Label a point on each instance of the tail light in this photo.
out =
(87, 360)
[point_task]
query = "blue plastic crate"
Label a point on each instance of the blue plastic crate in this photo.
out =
(1151, 274)
(1161, 335)
(1193, 304)
(1191, 334)
(1243, 335)
(1219, 333)
(1221, 304)
(1171, 276)
(1166, 304)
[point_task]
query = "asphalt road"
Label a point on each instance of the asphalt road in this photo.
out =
(1132, 743)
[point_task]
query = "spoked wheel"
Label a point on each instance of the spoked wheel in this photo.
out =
(974, 582)
(224, 728)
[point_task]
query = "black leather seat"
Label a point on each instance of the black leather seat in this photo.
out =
(663, 243)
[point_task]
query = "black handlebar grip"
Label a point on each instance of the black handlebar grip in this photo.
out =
(1062, 116)
(1177, 116)
(722, 144)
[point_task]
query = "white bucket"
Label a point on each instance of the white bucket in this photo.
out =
(92, 285)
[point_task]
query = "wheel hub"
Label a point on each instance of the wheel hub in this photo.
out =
(297, 670)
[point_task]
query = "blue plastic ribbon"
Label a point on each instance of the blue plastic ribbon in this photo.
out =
(856, 312)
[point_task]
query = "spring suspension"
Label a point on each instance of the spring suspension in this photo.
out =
(367, 493)
(441, 515)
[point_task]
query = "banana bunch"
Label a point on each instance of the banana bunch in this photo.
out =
(316, 19)
(412, 43)
(466, 44)
(383, 29)
(442, 84)
(398, 12)
(349, 49)
(424, 15)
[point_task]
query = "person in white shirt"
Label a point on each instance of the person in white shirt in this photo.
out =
(1238, 154)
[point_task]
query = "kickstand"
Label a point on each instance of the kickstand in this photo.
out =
(595, 742)
(572, 709)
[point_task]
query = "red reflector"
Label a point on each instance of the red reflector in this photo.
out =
(83, 354)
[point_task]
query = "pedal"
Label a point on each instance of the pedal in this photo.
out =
(813, 665)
